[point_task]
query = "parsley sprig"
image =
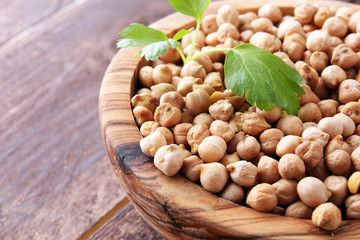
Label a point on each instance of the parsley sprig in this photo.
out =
(263, 77)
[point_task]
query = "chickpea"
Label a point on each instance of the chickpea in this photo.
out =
(271, 116)
(221, 129)
(169, 159)
(286, 191)
(328, 107)
(227, 14)
(309, 95)
(271, 12)
(187, 39)
(162, 74)
(207, 88)
(316, 134)
(233, 193)
(211, 39)
(145, 76)
(175, 80)
(321, 90)
(357, 130)
(353, 41)
(290, 125)
(142, 115)
(197, 102)
(158, 90)
(309, 28)
(306, 57)
(337, 185)
(310, 112)
(309, 74)
(150, 144)
(185, 85)
(262, 197)
(214, 79)
(291, 166)
(213, 176)
(254, 124)
(230, 43)
(319, 60)
(143, 90)
(171, 55)
(204, 119)
(186, 117)
(157, 62)
(231, 148)
(167, 115)
(298, 210)
(208, 24)
(265, 41)
(350, 73)
(269, 140)
(227, 30)
(348, 124)
(320, 171)
(352, 204)
(148, 127)
(307, 125)
(262, 25)
(145, 100)
(167, 134)
(354, 20)
(218, 68)
(221, 110)
(246, 35)
(243, 173)
(349, 90)
(344, 56)
(355, 158)
(248, 148)
(318, 41)
(236, 101)
(281, 55)
(312, 191)
(311, 153)
(292, 26)
(175, 70)
(205, 62)
(345, 13)
(212, 149)
(352, 109)
(191, 168)
(288, 144)
(268, 170)
(338, 162)
(337, 143)
(327, 216)
(353, 141)
(321, 15)
(180, 133)
(336, 26)
(193, 69)
(173, 98)
(195, 136)
(304, 13)
(330, 126)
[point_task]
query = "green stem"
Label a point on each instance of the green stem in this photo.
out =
(209, 51)
(198, 24)
(181, 54)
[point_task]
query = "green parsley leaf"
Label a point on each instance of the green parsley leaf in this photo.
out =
(140, 35)
(180, 34)
(265, 79)
(193, 8)
(154, 50)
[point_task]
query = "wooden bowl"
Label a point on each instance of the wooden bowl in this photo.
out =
(174, 206)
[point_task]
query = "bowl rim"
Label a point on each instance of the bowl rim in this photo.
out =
(187, 210)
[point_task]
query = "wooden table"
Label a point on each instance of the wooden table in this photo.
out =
(56, 181)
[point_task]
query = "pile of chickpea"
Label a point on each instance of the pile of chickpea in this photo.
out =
(305, 166)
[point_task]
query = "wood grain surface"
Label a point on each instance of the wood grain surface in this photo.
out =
(176, 207)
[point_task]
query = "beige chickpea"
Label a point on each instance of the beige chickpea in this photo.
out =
(230, 43)
(233, 193)
(345, 13)
(352, 109)
(288, 144)
(265, 41)
(185, 85)
(312, 191)
(197, 102)
(309, 28)
(316, 134)
(270, 11)
(145, 76)
(237, 121)
(167, 134)
(217, 96)
(214, 79)
(309, 74)
(306, 57)
(321, 15)
(142, 115)
(229, 158)
(148, 127)
(353, 41)
(173, 98)
(143, 90)
(271, 116)
(347, 123)
(171, 55)
(156, 62)
(353, 141)
(354, 20)
(318, 41)
(212, 149)
(338, 162)
(298, 210)
(310, 152)
(305, 12)
(330, 126)
(307, 125)
(235, 100)
(262, 25)
(319, 60)
(320, 171)
(243, 173)
(222, 129)
(290, 125)
(213, 176)
(336, 26)
(344, 57)
(269, 140)
(211, 39)
(167, 115)
(186, 116)
(248, 148)
(195, 136)
(193, 69)
(208, 24)
(175, 80)
(321, 90)
(327, 216)
(205, 62)
(187, 39)
(349, 90)
(310, 112)
(207, 88)
(292, 26)
(169, 159)
(281, 55)
(150, 144)
(291, 166)
(218, 68)
(355, 158)
(254, 124)
(309, 95)
(246, 35)
(162, 74)
(337, 143)
(204, 119)
(262, 197)
(191, 168)
(227, 30)
(221, 110)
(145, 100)
(175, 70)
(286, 191)
(328, 107)
(231, 148)
(333, 75)
(158, 90)
(227, 14)
(180, 133)
(352, 204)
(268, 170)
(337, 185)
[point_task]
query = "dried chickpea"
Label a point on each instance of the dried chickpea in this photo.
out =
(327, 216)
(344, 57)
(186, 116)
(352, 109)
(233, 193)
(180, 133)
(207, 88)
(243, 173)
(204, 119)
(312, 191)
(173, 98)
(316, 134)
(330, 126)
(269, 140)
(336, 26)
(320, 171)
(349, 90)
(169, 159)
(185, 85)
(175, 69)
(321, 90)
(158, 90)
(191, 168)
(254, 124)
(304, 13)
(286, 191)
(167, 115)
(291, 166)
(211, 39)
(167, 134)
(306, 57)
(352, 204)
(143, 90)
(148, 127)
(265, 41)
(355, 158)
(150, 144)
(142, 115)
(310, 112)
(221, 110)
(262, 197)
(145, 100)
(208, 24)
(268, 170)
(162, 74)
(290, 125)
(205, 62)
(337, 143)
(309, 74)
(318, 41)
(214, 79)
(271, 116)
(246, 35)
(292, 26)
(157, 62)
(288, 144)
(309, 95)
(195, 136)
(235, 100)
(307, 125)
(353, 41)
(248, 148)
(197, 101)
(227, 14)
(175, 81)
(222, 129)
(337, 185)
(353, 141)
(338, 162)
(347, 123)
(319, 60)
(187, 39)
(350, 73)
(145, 76)
(270, 11)
(333, 75)
(231, 148)
(213, 176)
(345, 13)
(262, 25)
(227, 30)
(193, 69)
(321, 15)
(229, 158)
(328, 107)
(212, 149)
(310, 152)
(298, 210)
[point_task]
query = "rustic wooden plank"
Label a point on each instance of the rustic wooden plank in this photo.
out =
(126, 224)
(54, 176)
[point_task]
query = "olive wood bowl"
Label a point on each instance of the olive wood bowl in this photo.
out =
(174, 206)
